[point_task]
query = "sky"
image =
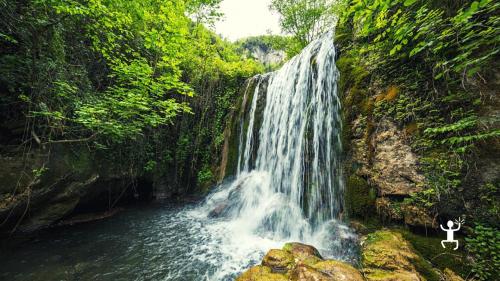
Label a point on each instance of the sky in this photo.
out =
(243, 18)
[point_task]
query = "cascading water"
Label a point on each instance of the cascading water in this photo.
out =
(288, 185)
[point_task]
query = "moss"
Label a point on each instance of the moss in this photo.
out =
(430, 248)
(261, 273)
(359, 197)
(338, 270)
(278, 260)
(387, 250)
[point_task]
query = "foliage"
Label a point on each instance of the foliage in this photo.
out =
(127, 78)
(305, 19)
(484, 246)
(439, 55)
(411, 29)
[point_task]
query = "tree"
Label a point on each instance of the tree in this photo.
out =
(305, 19)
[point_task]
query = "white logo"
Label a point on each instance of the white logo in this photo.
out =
(450, 232)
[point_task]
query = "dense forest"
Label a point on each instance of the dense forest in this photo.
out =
(108, 102)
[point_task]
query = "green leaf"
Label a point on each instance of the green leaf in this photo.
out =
(409, 2)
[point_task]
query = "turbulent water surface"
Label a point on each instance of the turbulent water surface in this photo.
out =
(288, 187)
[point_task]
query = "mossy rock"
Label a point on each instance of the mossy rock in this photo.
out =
(303, 253)
(359, 197)
(278, 260)
(430, 248)
(261, 273)
(303, 272)
(300, 262)
(340, 271)
(386, 275)
(386, 252)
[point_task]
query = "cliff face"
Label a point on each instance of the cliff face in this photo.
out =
(395, 168)
(43, 186)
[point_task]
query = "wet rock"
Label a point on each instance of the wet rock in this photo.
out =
(261, 273)
(279, 261)
(218, 210)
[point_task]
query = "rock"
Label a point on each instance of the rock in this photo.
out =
(338, 270)
(384, 275)
(358, 226)
(302, 252)
(300, 262)
(218, 210)
(387, 210)
(386, 255)
(416, 216)
(304, 272)
(278, 260)
(40, 188)
(395, 166)
(261, 273)
(359, 197)
(449, 275)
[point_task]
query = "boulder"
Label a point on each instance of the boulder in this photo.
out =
(261, 273)
(302, 252)
(340, 271)
(386, 255)
(304, 272)
(300, 262)
(278, 260)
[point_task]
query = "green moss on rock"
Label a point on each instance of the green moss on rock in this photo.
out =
(386, 255)
(278, 260)
(359, 197)
(261, 273)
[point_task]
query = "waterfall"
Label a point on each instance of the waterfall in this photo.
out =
(289, 184)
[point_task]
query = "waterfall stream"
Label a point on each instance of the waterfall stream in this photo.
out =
(288, 187)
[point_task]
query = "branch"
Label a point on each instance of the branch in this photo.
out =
(72, 141)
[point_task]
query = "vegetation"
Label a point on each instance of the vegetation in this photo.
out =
(429, 66)
(120, 75)
(148, 84)
(306, 20)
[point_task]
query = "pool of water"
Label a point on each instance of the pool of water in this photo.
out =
(155, 242)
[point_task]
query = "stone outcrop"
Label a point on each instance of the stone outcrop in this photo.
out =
(380, 157)
(43, 186)
(392, 167)
(299, 262)
(395, 166)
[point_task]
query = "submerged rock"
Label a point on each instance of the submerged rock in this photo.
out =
(300, 262)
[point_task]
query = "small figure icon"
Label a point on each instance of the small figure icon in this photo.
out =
(450, 233)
